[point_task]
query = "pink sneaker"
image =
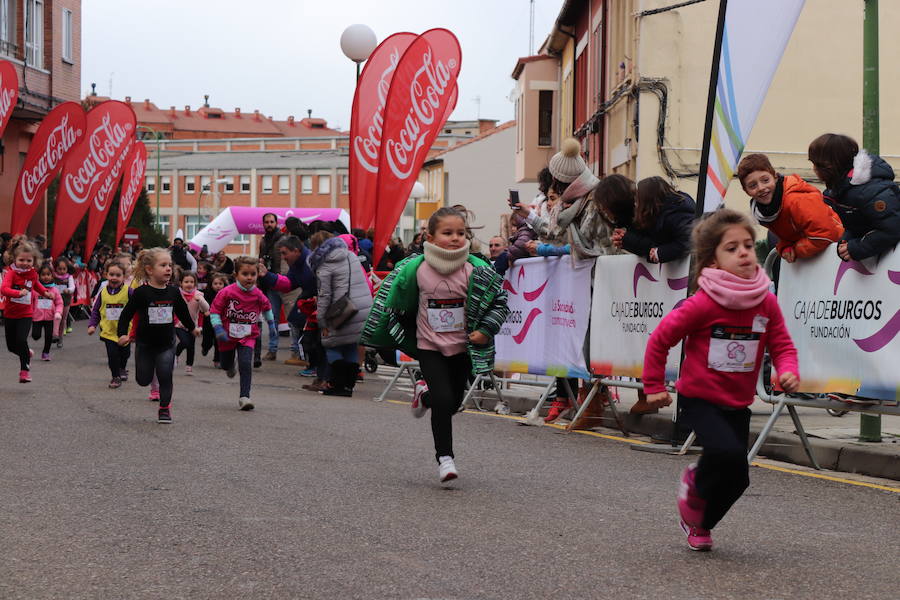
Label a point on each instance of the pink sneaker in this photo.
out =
(690, 505)
(154, 396)
(24, 376)
(45, 356)
(189, 370)
(698, 539)
(418, 406)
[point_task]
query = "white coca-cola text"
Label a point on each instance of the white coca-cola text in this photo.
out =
(6, 99)
(366, 148)
(108, 186)
(431, 83)
(133, 187)
(103, 144)
(60, 140)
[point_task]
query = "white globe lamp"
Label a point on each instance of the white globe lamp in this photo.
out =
(418, 191)
(357, 43)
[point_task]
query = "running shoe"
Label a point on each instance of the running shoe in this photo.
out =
(231, 371)
(45, 356)
(307, 373)
(164, 416)
(698, 539)
(123, 374)
(418, 404)
(115, 383)
(501, 408)
(245, 404)
(447, 469)
(154, 396)
(24, 376)
(189, 370)
(68, 330)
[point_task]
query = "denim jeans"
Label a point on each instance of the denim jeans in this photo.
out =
(347, 352)
(275, 299)
(245, 365)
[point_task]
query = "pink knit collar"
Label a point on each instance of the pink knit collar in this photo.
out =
(733, 292)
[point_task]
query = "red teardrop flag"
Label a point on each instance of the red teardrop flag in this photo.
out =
(102, 200)
(56, 138)
(109, 130)
(367, 125)
(9, 92)
(132, 184)
(422, 90)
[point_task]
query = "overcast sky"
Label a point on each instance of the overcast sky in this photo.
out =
(284, 56)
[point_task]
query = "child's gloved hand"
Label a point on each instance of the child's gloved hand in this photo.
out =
(273, 331)
(220, 333)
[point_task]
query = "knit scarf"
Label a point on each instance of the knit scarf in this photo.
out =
(445, 261)
(20, 269)
(733, 292)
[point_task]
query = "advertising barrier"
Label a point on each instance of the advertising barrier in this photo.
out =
(549, 303)
(631, 296)
(844, 318)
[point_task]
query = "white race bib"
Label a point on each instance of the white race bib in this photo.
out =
(45, 303)
(159, 315)
(733, 349)
(446, 314)
(26, 299)
(239, 330)
(113, 312)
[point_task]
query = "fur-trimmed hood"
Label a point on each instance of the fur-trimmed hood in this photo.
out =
(326, 251)
(867, 167)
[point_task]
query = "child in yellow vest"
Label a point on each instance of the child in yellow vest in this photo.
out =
(105, 315)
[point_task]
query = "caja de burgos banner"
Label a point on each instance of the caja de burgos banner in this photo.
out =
(57, 137)
(631, 296)
(367, 125)
(109, 131)
(549, 303)
(132, 184)
(844, 319)
(423, 91)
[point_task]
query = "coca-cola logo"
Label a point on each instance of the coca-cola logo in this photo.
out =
(132, 186)
(431, 82)
(368, 147)
(8, 97)
(106, 189)
(60, 140)
(102, 144)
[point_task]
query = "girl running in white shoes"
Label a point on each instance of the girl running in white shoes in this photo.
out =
(19, 285)
(156, 305)
(47, 311)
(198, 306)
(235, 315)
(105, 313)
(443, 307)
(727, 325)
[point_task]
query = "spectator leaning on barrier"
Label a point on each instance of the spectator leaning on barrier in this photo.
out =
(790, 208)
(661, 229)
(862, 191)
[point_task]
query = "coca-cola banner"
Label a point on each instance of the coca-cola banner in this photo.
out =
(367, 125)
(9, 92)
(102, 198)
(423, 88)
(132, 184)
(109, 132)
(56, 138)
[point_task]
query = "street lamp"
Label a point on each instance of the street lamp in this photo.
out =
(156, 135)
(357, 43)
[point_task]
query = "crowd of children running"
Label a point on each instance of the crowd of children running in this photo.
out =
(444, 303)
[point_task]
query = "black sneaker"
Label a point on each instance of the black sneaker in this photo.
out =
(231, 371)
(123, 374)
(257, 363)
(165, 416)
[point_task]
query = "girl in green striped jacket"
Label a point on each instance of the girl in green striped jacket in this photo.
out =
(444, 308)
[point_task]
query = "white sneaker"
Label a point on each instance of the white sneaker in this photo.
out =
(447, 469)
(418, 406)
(501, 408)
(244, 403)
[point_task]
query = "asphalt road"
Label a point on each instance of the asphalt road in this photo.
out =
(315, 497)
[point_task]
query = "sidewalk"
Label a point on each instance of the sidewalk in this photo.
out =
(833, 439)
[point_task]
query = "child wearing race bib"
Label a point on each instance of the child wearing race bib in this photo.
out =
(19, 286)
(62, 270)
(105, 314)
(47, 311)
(727, 325)
(198, 306)
(218, 282)
(443, 307)
(235, 314)
(156, 304)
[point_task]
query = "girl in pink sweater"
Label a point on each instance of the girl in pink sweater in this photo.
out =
(47, 311)
(727, 325)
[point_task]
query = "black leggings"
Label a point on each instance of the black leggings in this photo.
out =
(244, 363)
(186, 341)
(446, 377)
(150, 361)
(16, 331)
(722, 472)
(37, 327)
(117, 357)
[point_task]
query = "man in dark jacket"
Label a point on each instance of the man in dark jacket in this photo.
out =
(179, 254)
(269, 256)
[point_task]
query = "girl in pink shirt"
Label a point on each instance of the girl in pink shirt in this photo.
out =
(197, 305)
(47, 311)
(727, 326)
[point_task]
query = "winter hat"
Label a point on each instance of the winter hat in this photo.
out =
(567, 164)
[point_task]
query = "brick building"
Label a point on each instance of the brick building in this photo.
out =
(42, 39)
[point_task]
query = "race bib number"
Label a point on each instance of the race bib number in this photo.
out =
(733, 349)
(113, 312)
(159, 315)
(239, 330)
(45, 303)
(446, 314)
(26, 299)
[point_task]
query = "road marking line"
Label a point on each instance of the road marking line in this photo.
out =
(616, 438)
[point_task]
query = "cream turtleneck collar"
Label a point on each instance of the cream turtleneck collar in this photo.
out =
(445, 261)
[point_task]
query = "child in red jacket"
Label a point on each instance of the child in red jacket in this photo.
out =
(727, 325)
(19, 283)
